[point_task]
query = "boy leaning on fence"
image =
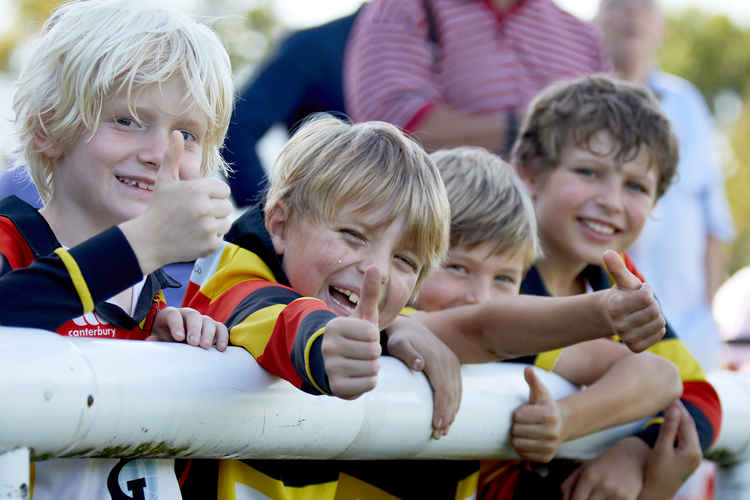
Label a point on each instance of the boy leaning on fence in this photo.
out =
(596, 154)
(354, 219)
(493, 242)
(122, 110)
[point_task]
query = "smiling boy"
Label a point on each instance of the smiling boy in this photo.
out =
(355, 217)
(122, 110)
(596, 154)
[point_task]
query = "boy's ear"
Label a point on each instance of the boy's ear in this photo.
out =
(527, 175)
(46, 146)
(277, 220)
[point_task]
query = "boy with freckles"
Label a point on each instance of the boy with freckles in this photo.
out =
(355, 218)
(595, 155)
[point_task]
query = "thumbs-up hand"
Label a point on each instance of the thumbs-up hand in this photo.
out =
(538, 426)
(351, 346)
(184, 220)
(631, 307)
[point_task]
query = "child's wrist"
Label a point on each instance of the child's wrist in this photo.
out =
(143, 250)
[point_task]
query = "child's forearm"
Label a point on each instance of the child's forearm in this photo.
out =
(514, 326)
(617, 397)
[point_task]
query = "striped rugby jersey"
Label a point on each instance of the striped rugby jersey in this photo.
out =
(71, 286)
(244, 286)
(513, 479)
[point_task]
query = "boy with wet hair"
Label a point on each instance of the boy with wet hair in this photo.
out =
(122, 111)
(595, 155)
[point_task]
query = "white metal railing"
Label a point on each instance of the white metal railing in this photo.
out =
(81, 397)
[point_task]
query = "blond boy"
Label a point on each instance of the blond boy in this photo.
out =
(355, 217)
(122, 110)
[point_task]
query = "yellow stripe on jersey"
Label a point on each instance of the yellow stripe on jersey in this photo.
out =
(308, 347)
(653, 421)
(255, 330)
(77, 277)
(547, 360)
(467, 488)
(239, 481)
(407, 311)
(236, 266)
(675, 351)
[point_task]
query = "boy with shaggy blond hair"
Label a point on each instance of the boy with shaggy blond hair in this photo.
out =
(122, 111)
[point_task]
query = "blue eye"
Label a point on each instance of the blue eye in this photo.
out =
(188, 136)
(125, 121)
(637, 186)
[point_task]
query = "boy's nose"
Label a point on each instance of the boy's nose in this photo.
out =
(153, 149)
(610, 199)
(478, 292)
(381, 260)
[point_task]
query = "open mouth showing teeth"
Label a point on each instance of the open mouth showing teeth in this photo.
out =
(134, 183)
(345, 297)
(599, 228)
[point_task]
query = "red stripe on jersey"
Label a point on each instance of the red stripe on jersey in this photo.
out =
(221, 307)
(14, 245)
(704, 396)
(277, 355)
(630, 265)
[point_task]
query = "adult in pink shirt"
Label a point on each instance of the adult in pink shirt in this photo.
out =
(471, 85)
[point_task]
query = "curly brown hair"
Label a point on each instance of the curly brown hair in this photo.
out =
(573, 112)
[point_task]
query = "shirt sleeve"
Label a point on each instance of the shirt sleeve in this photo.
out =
(388, 65)
(698, 395)
(63, 285)
(280, 328)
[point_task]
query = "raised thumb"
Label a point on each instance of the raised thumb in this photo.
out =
(538, 393)
(369, 296)
(169, 169)
(616, 266)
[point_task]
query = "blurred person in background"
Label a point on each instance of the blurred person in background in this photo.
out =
(691, 224)
(458, 72)
(680, 250)
(301, 77)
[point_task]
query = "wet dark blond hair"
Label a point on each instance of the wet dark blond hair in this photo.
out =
(329, 164)
(489, 202)
(573, 112)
